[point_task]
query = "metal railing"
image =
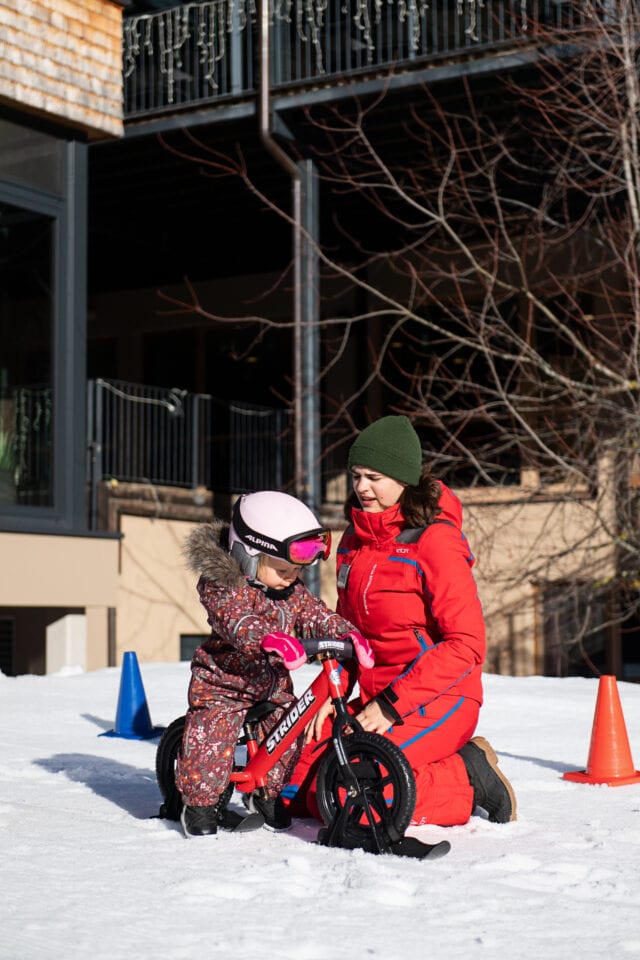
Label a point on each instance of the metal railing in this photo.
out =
(188, 55)
(201, 53)
(143, 434)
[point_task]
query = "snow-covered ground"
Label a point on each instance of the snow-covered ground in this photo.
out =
(88, 872)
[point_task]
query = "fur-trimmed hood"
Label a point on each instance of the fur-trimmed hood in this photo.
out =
(206, 552)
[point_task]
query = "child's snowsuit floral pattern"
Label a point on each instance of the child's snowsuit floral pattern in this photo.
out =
(230, 672)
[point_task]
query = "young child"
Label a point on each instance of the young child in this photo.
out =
(249, 586)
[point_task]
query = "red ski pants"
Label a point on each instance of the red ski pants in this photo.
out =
(430, 739)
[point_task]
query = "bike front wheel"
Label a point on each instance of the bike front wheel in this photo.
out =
(387, 790)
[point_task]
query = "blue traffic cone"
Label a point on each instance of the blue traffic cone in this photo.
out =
(132, 714)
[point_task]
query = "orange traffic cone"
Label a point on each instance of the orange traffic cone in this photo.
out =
(610, 759)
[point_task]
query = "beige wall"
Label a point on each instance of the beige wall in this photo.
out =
(525, 537)
(517, 543)
(38, 570)
(63, 58)
(157, 599)
(519, 537)
(43, 578)
(517, 547)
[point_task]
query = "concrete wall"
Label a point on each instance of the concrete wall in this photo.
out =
(157, 599)
(519, 548)
(63, 58)
(519, 542)
(44, 579)
(66, 643)
(139, 584)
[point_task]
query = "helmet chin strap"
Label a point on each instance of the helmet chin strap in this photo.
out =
(272, 593)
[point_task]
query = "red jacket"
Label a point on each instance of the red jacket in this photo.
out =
(417, 603)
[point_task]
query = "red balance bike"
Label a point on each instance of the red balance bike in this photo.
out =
(365, 787)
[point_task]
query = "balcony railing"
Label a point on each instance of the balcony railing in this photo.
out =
(204, 53)
(143, 434)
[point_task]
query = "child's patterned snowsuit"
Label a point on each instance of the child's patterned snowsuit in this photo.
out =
(230, 672)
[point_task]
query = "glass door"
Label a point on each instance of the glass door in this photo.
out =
(27, 312)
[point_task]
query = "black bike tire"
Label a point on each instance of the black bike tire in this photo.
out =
(372, 747)
(166, 756)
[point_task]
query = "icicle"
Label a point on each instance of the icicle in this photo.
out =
(211, 39)
(473, 6)
(173, 33)
(315, 17)
(131, 44)
(363, 24)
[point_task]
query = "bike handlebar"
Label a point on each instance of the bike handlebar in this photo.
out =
(340, 649)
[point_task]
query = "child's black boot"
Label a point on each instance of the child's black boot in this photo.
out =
(199, 821)
(204, 821)
(276, 815)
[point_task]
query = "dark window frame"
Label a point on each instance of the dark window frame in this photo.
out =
(68, 513)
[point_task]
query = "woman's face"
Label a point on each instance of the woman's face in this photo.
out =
(374, 490)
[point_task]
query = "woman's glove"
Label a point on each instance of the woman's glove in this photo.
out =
(291, 650)
(362, 647)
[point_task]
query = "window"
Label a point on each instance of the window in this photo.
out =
(43, 214)
(189, 643)
(6, 647)
(26, 337)
(31, 158)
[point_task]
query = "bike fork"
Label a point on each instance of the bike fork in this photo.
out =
(355, 792)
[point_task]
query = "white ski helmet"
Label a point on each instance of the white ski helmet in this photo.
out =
(277, 525)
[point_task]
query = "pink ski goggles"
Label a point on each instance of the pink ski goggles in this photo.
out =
(309, 548)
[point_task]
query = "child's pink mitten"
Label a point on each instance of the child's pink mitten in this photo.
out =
(362, 647)
(291, 650)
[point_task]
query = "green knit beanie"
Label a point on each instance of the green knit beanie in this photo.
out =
(390, 446)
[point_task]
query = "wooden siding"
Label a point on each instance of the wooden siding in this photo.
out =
(63, 59)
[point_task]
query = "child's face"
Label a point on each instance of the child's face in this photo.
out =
(276, 573)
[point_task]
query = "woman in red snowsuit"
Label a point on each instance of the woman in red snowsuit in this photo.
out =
(404, 580)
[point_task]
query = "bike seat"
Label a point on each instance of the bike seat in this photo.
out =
(259, 711)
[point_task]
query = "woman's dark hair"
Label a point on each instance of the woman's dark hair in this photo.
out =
(351, 501)
(419, 503)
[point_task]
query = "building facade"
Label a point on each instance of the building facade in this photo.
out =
(166, 325)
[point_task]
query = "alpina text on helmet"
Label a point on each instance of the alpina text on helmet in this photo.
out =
(259, 542)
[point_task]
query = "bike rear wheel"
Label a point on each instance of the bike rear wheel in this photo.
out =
(166, 756)
(387, 788)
